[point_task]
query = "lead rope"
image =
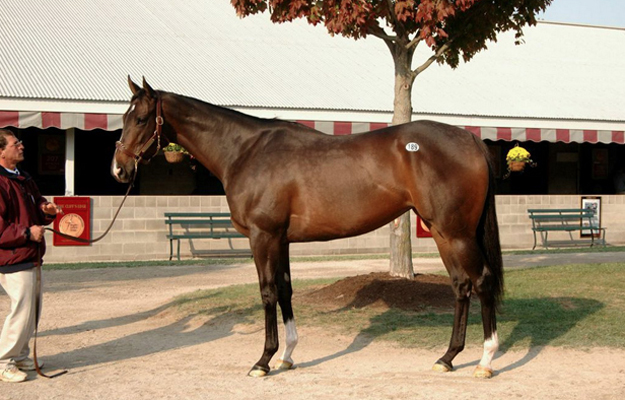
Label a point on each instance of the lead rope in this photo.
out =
(39, 285)
(37, 315)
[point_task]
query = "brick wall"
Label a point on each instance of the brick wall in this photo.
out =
(139, 232)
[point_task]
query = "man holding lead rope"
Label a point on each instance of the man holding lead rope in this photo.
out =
(23, 214)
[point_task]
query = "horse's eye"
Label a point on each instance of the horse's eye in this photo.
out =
(141, 121)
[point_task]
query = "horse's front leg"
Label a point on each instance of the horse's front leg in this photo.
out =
(266, 251)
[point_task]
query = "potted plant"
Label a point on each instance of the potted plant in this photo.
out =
(174, 152)
(517, 158)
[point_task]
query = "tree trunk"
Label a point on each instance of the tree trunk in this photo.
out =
(400, 243)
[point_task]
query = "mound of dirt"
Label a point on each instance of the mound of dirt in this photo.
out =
(381, 290)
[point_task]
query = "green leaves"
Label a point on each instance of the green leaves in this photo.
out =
(175, 147)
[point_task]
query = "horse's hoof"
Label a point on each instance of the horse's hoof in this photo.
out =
(258, 372)
(483, 372)
(442, 367)
(284, 365)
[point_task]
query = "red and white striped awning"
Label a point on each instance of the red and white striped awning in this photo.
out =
(507, 134)
(549, 135)
(111, 122)
(43, 120)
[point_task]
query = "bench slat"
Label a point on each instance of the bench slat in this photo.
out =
(196, 214)
(219, 235)
(548, 210)
(548, 218)
(565, 228)
(199, 222)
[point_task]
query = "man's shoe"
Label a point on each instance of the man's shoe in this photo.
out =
(27, 364)
(13, 375)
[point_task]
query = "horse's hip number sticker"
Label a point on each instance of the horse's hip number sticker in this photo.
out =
(412, 147)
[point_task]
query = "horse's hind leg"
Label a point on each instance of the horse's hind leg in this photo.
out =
(461, 286)
(285, 293)
(489, 322)
(461, 257)
(465, 264)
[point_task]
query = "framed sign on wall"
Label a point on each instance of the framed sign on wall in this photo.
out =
(593, 203)
(74, 221)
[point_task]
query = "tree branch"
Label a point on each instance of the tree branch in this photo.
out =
(430, 60)
(414, 42)
(379, 32)
(391, 12)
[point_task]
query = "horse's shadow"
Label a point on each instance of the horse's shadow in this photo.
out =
(217, 323)
(536, 323)
(542, 321)
(96, 277)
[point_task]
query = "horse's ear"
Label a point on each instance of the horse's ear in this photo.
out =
(148, 89)
(134, 88)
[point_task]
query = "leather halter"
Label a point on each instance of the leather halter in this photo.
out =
(138, 155)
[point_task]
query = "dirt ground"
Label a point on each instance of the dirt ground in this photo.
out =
(108, 328)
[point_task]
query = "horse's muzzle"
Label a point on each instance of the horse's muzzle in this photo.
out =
(120, 173)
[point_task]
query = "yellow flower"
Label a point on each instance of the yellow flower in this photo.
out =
(518, 154)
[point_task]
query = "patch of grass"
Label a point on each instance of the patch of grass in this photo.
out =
(569, 305)
(577, 306)
(237, 304)
(568, 250)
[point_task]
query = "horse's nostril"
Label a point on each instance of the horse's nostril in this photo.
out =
(118, 172)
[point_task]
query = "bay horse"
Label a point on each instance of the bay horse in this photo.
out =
(287, 183)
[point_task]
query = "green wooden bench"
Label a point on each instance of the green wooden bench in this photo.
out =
(567, 220)
(198, 225)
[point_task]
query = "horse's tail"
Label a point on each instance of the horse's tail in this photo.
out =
(488, 235)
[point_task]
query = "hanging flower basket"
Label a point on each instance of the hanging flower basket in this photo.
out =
(174, 156)
(516, 166)
(517, 158)
(174, 153)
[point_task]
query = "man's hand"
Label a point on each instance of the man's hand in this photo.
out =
(51, 208)
(36, 233)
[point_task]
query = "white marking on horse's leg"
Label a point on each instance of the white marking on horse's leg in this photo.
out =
(491, 345)
(286, 362)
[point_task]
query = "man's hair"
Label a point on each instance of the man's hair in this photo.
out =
(4, 133)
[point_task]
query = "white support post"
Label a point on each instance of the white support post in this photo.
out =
(69, 162)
